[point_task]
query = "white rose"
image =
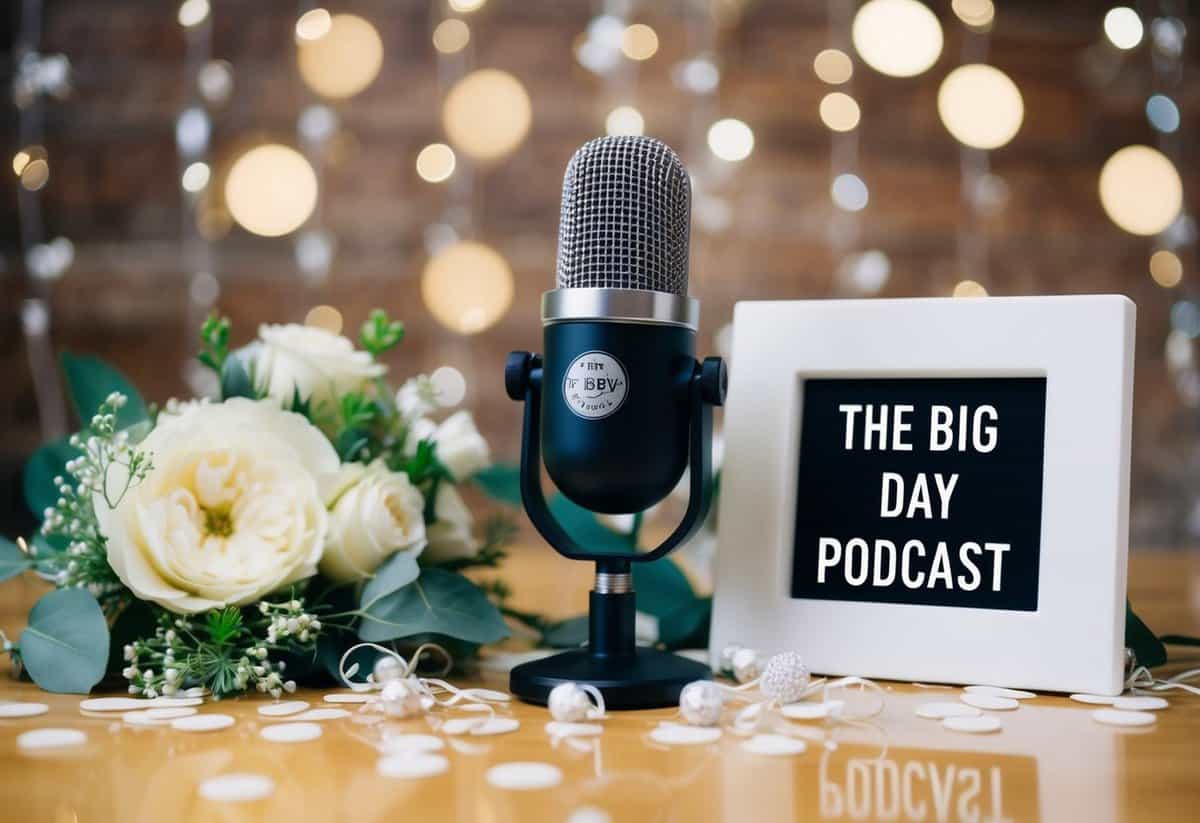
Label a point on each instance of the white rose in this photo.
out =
(460, 446)
(450, 536)
(232, 509)
(317, 363)
(374, 513)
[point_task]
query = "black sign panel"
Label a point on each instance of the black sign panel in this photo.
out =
(925, 491)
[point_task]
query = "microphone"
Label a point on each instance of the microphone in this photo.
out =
(618, 406)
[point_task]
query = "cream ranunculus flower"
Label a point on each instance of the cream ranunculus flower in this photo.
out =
(450, 535)
(460, 446)
(317, 363)
(232, 510)
(374, 513)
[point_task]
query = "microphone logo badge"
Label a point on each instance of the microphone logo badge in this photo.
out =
(595, 385)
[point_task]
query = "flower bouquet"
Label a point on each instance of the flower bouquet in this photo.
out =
(245, 542)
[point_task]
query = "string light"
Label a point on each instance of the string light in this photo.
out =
(839, 111)
(975, 13)
(639, 42)
(451, 36)
(624, 120)
(899, 38)
(343, 61)
(487, 114)
(1123, 27)
(324, 317)
(969, 288)
(1166, 268)
(271, 190)
(730, 140)
(195, 177)
(833, 66)
(1140, 190)
(980, 106)
(313, 24)
(467, 287)
(193, 13)
(435, 163)
(849, 192)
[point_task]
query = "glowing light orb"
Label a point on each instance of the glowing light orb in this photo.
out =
(449, 386)
(899, 38)
(271, 190)
(324, 317)
(1166, 268)
(839, 111)
(313, 24)
(344, 60)
(487, 114)
(730, 140)
(467, 287)
(451, 36)
(195, 177)
(980, 106)
(1140, 190)
(969, 288)
(436, 163)
(833, 66)
(975, 13)
(625, 120)
(1123, 27)
(639, 42)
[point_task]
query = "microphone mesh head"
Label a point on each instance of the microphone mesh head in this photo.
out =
(626, 213)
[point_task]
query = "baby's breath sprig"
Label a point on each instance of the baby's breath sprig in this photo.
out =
(90, 483)
(227, 651)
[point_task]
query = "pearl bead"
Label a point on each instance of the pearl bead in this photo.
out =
(784, 678)
(568, 703)
(701, 702)
(388, 668)
(746, 666)
(400, 699)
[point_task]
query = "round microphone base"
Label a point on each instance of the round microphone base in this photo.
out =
(650, 679)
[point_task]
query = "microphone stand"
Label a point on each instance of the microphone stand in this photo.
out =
(629, 677)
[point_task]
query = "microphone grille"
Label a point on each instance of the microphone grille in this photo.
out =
(626, 214)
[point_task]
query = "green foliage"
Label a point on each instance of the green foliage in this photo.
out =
(214, 343)
(437, 602)
(1147, 648)
(13, 561)
(396, 572)
(65, 646)
(379, 333)
(501, 482)
(237, 379)
(90, 382)
(587, 531)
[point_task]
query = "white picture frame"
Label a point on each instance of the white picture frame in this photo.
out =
(1074, 640)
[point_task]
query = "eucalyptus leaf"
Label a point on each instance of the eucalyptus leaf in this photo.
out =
(236, 380)
(90, 381)
(588, 532)
(662, 588)
(13, 561)
(65, 646)
(567, 634)
(37, 480)
(687, 627)
(396, 572)
(501, 481)
(437, 602)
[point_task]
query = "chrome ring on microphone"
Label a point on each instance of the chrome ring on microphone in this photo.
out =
(621, 306)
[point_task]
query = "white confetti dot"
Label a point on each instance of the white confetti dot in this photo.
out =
(321, 714)
(401, 743)
(475, 726)
(776, 745)
(937, 711)
(559, 728)
(50, 739)
(989, 703)
(347, 697)
(999, 691)
(1116, 717)
(142, 718)
(974, 725)
(673, 734)
(283, 709)
(1093, 699)
(522, 776)
(813, 711)
(202, 723)
(237, 788)
(412, 766)
(1140, 704)
(112, 704)
(174, 702)
(170, 712)
(291, 732)
(23, 709)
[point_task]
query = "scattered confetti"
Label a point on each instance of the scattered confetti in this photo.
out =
(412, 766)
(973, 725)
(202, 723)
(112, 704)
(237, 788)
(142, 717)
(813, 711)
(523, 776)
(1117, 717)
(174, 702)
(475, 726)
(776, 745)
(321, 714)
(675, 734)
(1140, 704)
(999, 691)
(8, 710)
(985, 701)
(560, 728)
(416, 743)
(39, 739)
(283, 709)
(170, 712)
(291, 732)
(1093, 699)
(938, 711)
(347, 697)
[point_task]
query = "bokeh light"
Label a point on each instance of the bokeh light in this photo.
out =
(313, 24)
(698, 76)
(849, 192)
(639, 42)
(35, 174)
(435, 163)
(449, 386)
(195, 177)
(969, 288)
(624, 120)
(343, 61)
(1123, 27)
(839, 111)
(865, 273)
(466, 6)
(1140, 190)
(899, 38)
(1166, 268)
(730, 139)
(980, 106)
(975, 13)
(215, 81)
(25, 156)
(271, 190)
(324, 317)
(467, 287)
(487, 114)
(451, 36)
(1162, 113)
(193, 12)
(833, 66)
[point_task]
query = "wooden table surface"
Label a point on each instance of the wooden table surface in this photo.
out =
(1050, 762)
